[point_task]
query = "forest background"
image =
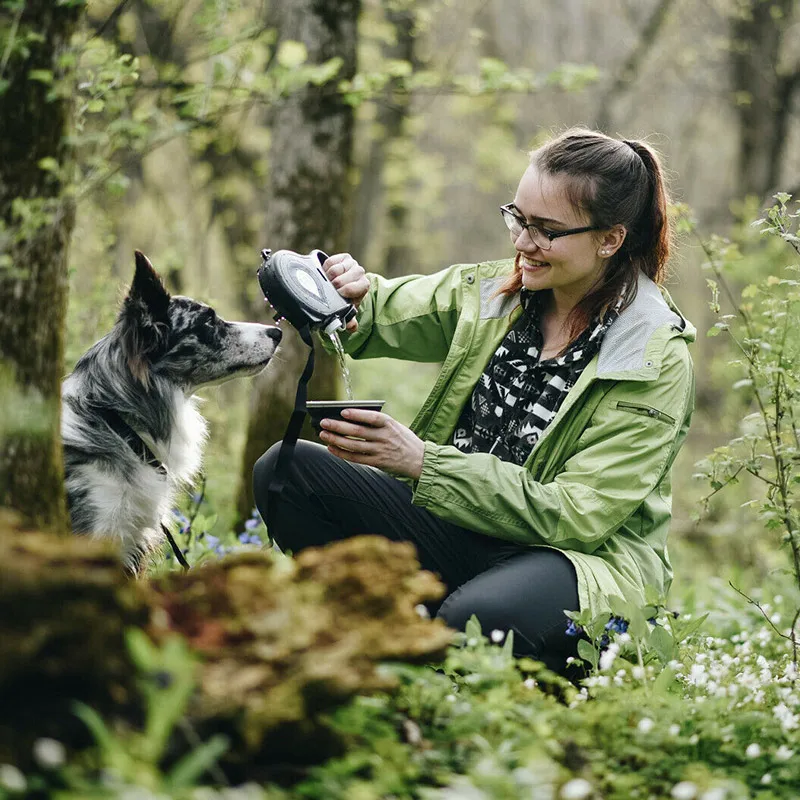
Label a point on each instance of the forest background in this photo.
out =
(447, 100)
(202, 131)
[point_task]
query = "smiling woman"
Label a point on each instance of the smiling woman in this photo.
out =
(536, 476)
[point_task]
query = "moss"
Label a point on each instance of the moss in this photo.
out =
(284, 641)
(65, 603)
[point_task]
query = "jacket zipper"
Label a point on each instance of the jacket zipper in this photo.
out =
(645, 411)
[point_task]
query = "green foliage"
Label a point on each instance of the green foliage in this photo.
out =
(764, 329)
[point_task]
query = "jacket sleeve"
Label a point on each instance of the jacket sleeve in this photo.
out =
(412, 317)
(620, 457)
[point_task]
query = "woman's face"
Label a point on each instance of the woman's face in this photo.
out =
(573, 263)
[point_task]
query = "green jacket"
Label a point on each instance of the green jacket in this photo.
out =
(597, 484)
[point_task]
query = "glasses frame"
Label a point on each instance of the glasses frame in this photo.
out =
(549, 234)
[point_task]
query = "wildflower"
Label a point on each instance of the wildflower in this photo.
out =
(783, 753)
(50, 753)
(645, 725)
(576, 789)
(617, 624)
(715, 793)
(766, 779)
(607, 656)
(674, 730)
(252, 524)
(573, 629)
(12, 779)
(197, 498)
(638, 672)
(497, 636)
(529, 683)
(422, 611)
(685, 790)
(753, 750)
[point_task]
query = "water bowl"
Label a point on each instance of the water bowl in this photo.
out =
(332, 409)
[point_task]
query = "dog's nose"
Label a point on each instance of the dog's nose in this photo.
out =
(274, 333)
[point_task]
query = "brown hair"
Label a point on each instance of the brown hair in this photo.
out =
(614, 182)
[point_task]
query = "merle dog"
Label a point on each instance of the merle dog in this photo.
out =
(130, 426)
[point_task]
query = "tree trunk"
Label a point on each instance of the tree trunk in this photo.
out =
(308, 190)
(36, 219)
(389, 127)
(762, 93)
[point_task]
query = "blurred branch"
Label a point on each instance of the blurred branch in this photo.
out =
(627, 73)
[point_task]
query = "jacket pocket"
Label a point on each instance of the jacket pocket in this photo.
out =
(645, 411)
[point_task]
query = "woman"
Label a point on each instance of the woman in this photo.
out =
(536, 476)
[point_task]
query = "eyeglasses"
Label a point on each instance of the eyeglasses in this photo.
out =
(541, 237)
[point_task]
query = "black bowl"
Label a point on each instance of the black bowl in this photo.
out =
(332, 409)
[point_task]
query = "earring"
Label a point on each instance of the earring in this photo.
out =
(604, 252)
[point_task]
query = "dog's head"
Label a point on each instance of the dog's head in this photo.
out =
(184, 340)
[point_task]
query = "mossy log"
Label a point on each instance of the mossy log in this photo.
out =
(280, 641)
(283, 641)
(65, 604)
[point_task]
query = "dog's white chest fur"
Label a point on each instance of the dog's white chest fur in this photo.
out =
(130, 504)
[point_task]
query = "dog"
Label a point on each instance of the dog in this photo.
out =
(131, 431)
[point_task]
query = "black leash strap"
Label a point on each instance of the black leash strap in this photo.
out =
(286, 453)
(175, 549)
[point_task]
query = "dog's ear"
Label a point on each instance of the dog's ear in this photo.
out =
(144, 319)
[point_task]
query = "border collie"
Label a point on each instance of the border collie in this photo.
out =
(131, 430)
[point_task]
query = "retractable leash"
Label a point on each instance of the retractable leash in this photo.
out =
(299, 291)
(285, 455)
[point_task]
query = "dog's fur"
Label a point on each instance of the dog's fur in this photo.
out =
(131, 430)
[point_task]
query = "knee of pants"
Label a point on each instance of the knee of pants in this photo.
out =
(264, 469)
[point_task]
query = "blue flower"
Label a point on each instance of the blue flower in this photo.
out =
(212, 541)
(252, 524)
(197, 498)
(573, 629)
(617, 624)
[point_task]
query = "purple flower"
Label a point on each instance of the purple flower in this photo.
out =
(252, 523)
(573, 629)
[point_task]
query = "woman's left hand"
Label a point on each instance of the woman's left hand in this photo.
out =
(386, 444)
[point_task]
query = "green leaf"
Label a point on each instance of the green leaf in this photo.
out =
(41, 75)
(48, 164)
(291, 54)
(95, 106)
(189, 769)
(473, 628)
(588, 653)
(662, 642)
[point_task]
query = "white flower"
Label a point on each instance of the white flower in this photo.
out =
(607, 658)
(422, 610)
(717, 793)
(497, 636)
(12, 779)
(529, 683)
(50, 753)
(638, 672)
(685, 790)
(766, 779)
(674, 730)
(576, 789)
(753, 750)
(783, 753)
(645, 725)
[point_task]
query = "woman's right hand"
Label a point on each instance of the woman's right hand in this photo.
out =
(349, 279)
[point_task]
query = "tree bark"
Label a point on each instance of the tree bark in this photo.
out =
(36, 219)
(762, 94)
(389, 127)
(308, 193)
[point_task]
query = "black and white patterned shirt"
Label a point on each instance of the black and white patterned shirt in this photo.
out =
(518, 395)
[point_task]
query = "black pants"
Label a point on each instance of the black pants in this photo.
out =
(507, 586)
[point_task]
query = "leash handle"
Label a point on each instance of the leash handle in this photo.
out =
(286, 453)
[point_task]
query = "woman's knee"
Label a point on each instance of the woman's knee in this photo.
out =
(264, 470)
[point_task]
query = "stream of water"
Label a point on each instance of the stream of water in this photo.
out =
(348, 385)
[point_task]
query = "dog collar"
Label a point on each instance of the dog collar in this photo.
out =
(117, 424)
